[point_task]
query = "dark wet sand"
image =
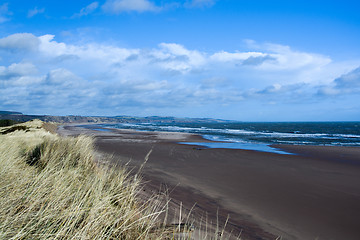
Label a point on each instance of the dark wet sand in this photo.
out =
(312, 195)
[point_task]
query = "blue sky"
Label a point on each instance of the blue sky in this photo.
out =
(230, 59)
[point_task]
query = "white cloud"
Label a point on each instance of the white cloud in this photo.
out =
(50, 47)
(346, 84)
(101, 77)
(176, 57)
(87, 10)
(22, 69)
(16, 70)
(18, 74)
(20, 41)
(237, 56)
(286, 58)
(62, 77)
(274, 58)
(35, 11)
(118, 6)
(350, 80)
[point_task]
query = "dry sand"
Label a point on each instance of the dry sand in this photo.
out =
(314, 194)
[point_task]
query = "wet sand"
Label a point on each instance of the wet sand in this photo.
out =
(314, 194)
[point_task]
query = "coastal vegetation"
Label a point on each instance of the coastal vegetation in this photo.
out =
(54, 187)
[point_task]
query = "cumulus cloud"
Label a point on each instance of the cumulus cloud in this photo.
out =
(20, 41)
(346, 84)
(18, 75)
(62, 78)
(286, 58)
(60, 51)
(274, 57)
(237, 56)
(35, 11)
(118, 6)
(50, 47)
(256, 61)
(101, 77)
(87, 10)
(16, 70)
(22, 69)
(176, 57)
(350, 80)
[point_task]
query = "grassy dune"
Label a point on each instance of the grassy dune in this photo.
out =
(52, 188)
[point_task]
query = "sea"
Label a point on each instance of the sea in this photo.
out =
(259, 135)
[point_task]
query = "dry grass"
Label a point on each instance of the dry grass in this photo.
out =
(52, 187)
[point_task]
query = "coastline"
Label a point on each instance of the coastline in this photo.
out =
(304, 196)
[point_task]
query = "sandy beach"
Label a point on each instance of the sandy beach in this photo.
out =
(312, 194)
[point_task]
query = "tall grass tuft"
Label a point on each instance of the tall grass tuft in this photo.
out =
(52, 188)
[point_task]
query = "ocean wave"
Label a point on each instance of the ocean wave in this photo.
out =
(242, 135)
(346, 135)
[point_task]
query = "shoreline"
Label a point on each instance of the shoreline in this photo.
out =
(194, 139)
(312, 194)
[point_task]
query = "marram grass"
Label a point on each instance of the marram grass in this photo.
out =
(52, 188)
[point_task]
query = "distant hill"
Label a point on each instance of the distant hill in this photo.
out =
(17, 116)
